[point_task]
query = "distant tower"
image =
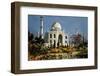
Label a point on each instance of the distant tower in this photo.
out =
(41, 27)
(38, 34)
(76, 31)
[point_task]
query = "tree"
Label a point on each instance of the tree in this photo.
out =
(79, 41)
(39, 40)
(76, 39)
(30, 36)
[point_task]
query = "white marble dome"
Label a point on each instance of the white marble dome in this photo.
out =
(56, 26)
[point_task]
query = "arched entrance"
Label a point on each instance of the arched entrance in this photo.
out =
(60, 40)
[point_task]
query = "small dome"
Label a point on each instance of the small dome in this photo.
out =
(56, 26)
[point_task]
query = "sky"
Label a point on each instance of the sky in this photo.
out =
(70, 24)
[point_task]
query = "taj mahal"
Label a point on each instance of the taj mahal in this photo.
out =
(55, 36)
(50, 40)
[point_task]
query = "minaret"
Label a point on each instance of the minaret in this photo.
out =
(38, 34)
(41, 27)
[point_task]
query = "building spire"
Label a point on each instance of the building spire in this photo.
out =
(41, 27)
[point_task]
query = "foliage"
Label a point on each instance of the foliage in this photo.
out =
(37, 49)
(35, 44)
(79, 41)
(30, 36)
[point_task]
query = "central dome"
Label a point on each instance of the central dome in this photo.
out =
(56, 26)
